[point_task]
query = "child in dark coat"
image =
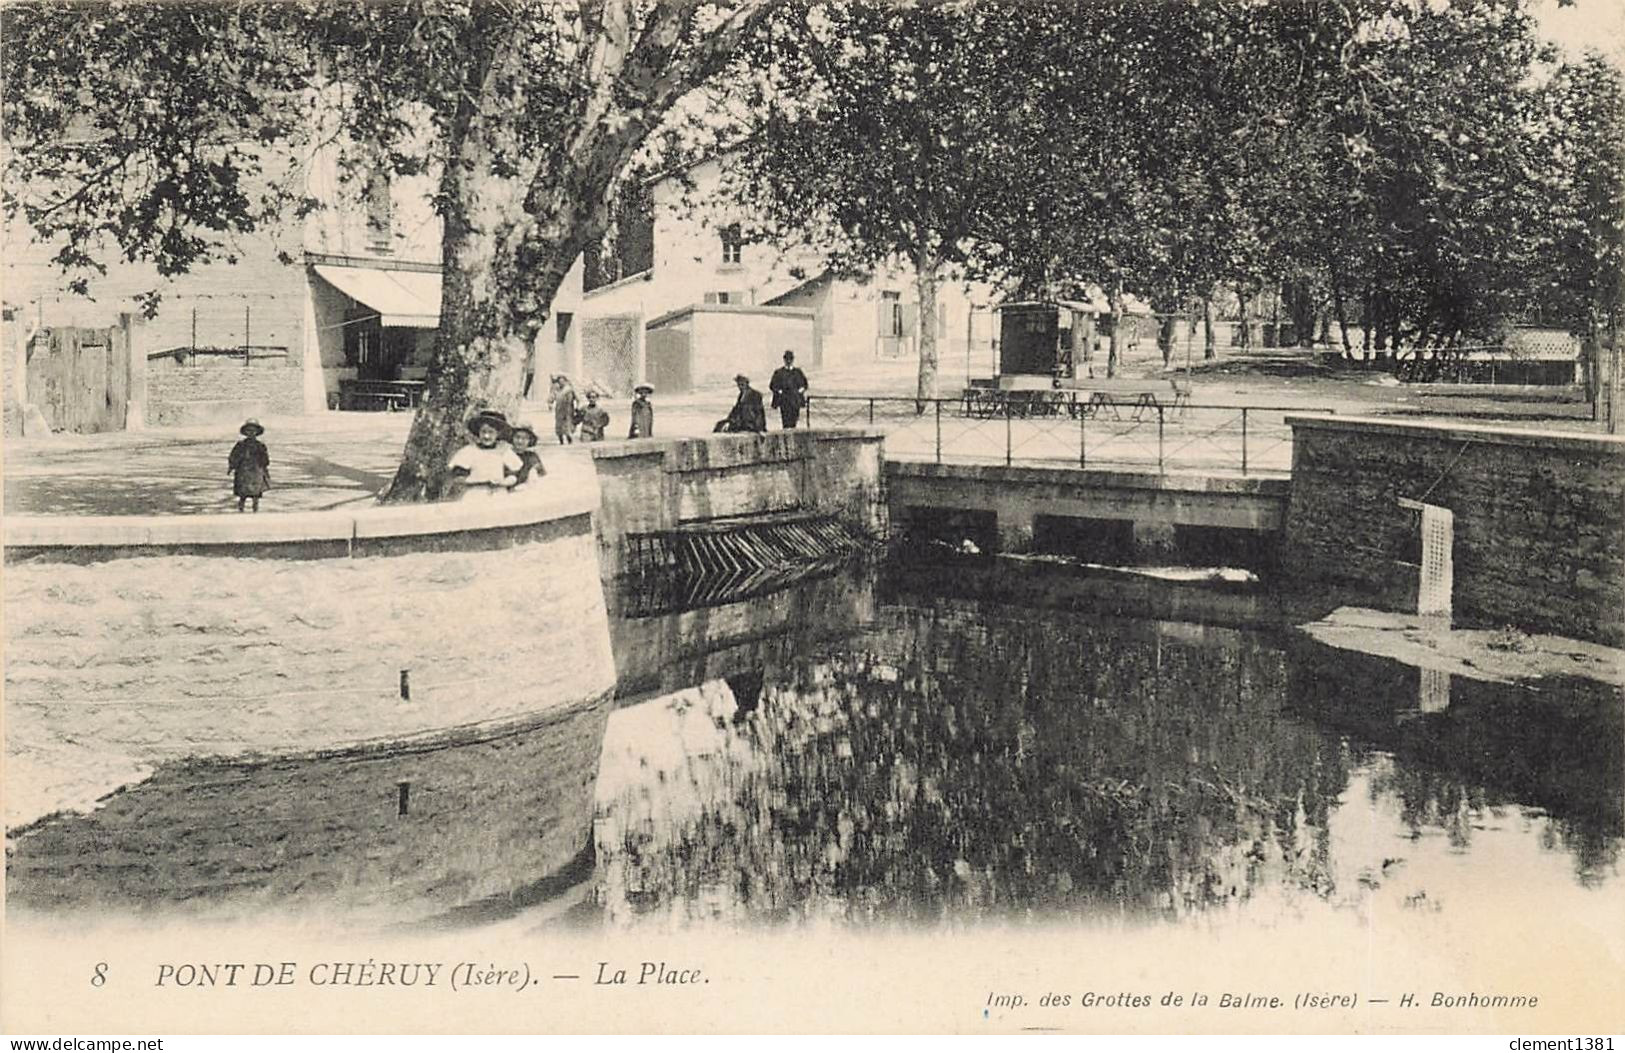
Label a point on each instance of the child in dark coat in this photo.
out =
(249, 465)
(523, 441)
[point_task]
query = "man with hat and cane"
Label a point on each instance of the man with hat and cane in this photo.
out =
(249, 465)
(747, 414)
(488, 464)
(643, 414)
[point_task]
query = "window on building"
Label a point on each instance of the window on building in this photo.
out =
(733, 245)
(380, 213)
(564, 319)
(893, 315)
(726, 296)
(362, 338)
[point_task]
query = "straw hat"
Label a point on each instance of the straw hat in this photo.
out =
(491, 417)
(740, 378)
(251, 427)
(643, 389)
(527, 429)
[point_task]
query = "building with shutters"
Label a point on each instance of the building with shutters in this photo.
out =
(301, 316)
(707, 300)
(315, 314)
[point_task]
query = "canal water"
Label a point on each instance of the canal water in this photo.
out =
(947, 747)
(985, 743)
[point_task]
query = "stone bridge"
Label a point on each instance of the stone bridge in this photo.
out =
(1118, 514)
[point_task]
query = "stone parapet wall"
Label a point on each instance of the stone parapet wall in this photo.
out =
(1016, 497)
(651, 485)
(1539, 518)
(218, 393)
(847, 478)
(235, 729)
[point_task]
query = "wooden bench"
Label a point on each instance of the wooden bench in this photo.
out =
(375, 400)
(1142, 396)
(994, 402)
(380, 394)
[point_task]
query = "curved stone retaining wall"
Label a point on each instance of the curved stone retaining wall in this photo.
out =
(222, 696)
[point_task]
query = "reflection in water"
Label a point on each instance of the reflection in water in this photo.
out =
(1554, 751)
(955, 760)
(839, 752)
(471, 825)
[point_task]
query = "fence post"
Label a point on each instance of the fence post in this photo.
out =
(871, 411)
(1244, 440)
(1160, 467)
(939, 430)
(809, 411)
(247, 333)
(1009, 448)
(1083, 439)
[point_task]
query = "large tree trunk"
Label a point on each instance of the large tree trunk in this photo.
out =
(1591, 363)
(1367, 325)
(500, 272)
(1210, 348)
(1614, 379)
(1300, 308)
(482, 341)
(1114, 351)
(1083, 338)
(925, 285)
(516, 218)
(1340, 308)
(1245, 300)
(1167, 335)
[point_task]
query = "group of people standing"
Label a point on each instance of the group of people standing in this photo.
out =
(591, 419)
(789, 388)
(502, 456)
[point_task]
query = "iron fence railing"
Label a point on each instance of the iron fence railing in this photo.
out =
(1102, 434)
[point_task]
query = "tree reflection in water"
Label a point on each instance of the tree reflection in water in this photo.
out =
(954, 763)
(1496, 754)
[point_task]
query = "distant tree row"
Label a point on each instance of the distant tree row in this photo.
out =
(1422, 167)
(1422, 171)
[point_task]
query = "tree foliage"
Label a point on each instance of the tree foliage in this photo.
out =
(140, 122)
(1425, 167)
(1404, 164)
(874, 132)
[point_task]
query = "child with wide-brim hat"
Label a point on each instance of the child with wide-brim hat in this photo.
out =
(249, 465)
(492, 417)
(643, 413)
(488, 464)
(523, 438)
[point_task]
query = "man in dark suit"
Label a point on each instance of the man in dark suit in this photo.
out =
(789, 387)
(747, 414)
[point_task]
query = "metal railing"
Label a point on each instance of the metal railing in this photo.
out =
(1102, 434)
